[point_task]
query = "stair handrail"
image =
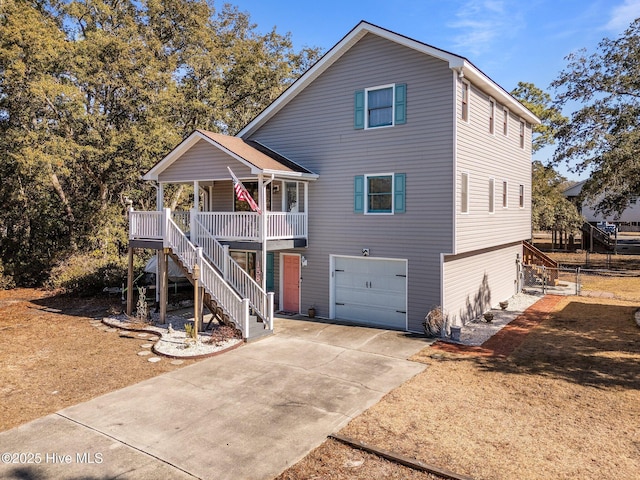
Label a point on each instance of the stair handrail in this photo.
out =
(601, 235)
(212, 282)
(232, 272)
(540, 255)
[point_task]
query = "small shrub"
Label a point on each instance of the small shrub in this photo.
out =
(434, 322)
(6, 281)
(222, 333)
(87, 274)
(190, 334)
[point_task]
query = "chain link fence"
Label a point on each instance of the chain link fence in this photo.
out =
(541, 279)
(563, 280)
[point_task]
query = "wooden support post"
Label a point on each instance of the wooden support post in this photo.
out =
(197, 310)
(130, 283)
(163, 272)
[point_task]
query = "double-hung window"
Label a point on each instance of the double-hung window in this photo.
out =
(379, 193)
(464, 107)
(382, 106)
(492, 116)
(382, 194)
(505, 121)
(505, 194)
(492, 194)
(464, 193)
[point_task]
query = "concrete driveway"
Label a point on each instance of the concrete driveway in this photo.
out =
(249, 413)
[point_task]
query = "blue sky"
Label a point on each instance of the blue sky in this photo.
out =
(509, 40)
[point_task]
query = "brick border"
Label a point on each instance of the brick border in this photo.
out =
(511, 336)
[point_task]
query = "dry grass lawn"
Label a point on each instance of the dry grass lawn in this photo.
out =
(51, 357)
(564, 405)
(623, 278)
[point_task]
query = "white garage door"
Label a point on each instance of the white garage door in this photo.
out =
(371, 291)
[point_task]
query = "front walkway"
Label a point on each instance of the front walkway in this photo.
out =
(249, 413)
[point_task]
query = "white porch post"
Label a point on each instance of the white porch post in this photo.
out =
(159, 207)
(210, 205)
(262, 203)
(306, 210)
(160, 197)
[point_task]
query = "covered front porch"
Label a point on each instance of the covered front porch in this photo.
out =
(247, 200)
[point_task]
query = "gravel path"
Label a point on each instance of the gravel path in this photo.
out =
(478, 331)
(171, 336)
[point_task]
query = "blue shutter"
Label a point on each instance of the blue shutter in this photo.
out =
(358, 116)
(358, 194)
(401, 104)
(270, 269)
(399, 193)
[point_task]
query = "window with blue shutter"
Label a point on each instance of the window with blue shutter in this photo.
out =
(382, 106)
(270, 272)
(382, 194)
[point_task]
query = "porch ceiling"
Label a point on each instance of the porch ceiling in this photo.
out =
(258, 158)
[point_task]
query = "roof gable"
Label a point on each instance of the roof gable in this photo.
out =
(457, 63)
(259, 159)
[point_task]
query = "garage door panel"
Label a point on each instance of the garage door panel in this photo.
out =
(371, 291)
(383, 298)
(378, 317)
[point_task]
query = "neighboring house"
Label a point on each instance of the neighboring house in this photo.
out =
(393, 177)
(628, 220)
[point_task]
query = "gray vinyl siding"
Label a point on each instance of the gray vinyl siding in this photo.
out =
(474, 283)
(316, 129)
(482, 156)
(223, 196)
(203, 162)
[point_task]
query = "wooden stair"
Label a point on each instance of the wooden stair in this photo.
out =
(533, 257)
(216, 309)
(596, 240)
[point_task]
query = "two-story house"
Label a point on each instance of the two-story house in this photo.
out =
(392, 177)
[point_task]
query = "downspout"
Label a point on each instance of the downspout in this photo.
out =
(458, 74)
(159, 207)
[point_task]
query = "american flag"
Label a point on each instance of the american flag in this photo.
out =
(242, 194)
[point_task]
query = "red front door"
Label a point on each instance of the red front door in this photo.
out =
(291, 283)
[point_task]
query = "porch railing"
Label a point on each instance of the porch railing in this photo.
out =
(238, 226)
(145, 225)
(231, 226)
(213, 283)
(238, 278)
(286, 225)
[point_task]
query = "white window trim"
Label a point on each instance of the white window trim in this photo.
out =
(523, 133)
(492, 195)
(468, 103)
(505, 194)
(392, 86)
(505, 121)
(468, 196)
(300, 191)
(521, 193)
(366, 193)
(492, 116)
